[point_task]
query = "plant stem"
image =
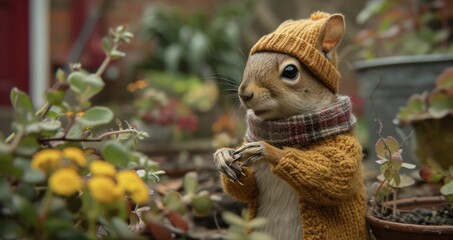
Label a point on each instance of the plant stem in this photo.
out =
(97, 139)
(394, 203)
(15, 138)
(47, 201)
(106, 62)
(68, 127)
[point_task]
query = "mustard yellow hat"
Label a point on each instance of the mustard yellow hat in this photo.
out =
(298, 39)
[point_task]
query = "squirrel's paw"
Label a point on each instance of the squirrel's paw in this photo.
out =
(253, 152)
(250, 153)
(225, 161)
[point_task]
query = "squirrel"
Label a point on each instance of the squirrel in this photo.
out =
(300, 164)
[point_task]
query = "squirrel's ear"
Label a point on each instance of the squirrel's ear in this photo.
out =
(331, 33)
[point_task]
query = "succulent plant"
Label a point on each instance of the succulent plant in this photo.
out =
(430, 114)
(435, 104)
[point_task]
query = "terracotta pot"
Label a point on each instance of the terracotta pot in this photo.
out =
(385, 230)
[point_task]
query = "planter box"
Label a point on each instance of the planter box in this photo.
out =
(401, 77)
(386, 230)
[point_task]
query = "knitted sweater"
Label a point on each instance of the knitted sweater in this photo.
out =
(327, 176)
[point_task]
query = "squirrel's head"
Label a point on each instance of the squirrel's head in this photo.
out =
(293, 70)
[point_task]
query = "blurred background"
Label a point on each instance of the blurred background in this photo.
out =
(182, 69)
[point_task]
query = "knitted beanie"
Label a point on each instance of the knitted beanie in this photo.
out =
(298, 39)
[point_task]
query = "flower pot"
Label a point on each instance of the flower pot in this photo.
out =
(400, 77)
(386, 230)
(433, 140)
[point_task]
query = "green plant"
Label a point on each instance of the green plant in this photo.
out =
(435, 104)
(240, 227)
(174, 206)
(200, 44)
(389, 151)
(404, 27)
(430, 115)
(433, 172)
(45, 188)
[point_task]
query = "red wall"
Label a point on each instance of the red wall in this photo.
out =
(13, 47)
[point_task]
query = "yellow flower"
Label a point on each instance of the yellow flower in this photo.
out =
(134, 185)
(80, 114)
(47, 159)
(76, 155)
(104, 190)
(69, 114)
(127, 179)
(140, 195)
(65, 182)
(99, 167)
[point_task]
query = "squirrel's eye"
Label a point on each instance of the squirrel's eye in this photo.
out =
(290, 72)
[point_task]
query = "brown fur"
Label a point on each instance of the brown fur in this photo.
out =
(281, 98)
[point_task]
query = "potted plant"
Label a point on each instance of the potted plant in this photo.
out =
(164, 116)
(431, 116)
(405, 44)
(390, 218)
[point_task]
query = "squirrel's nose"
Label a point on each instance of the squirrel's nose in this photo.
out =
(246, 95)
(245, 92)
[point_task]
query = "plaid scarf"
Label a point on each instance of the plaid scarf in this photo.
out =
(303, 129)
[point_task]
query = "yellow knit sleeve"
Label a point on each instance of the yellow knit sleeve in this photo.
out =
(325, 173)
(246, 191)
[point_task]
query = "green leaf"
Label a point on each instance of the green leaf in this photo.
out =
(26, 190)
(75, 131)
(384, 145)
(122, 228)
(60, 75)
(7, 168)
(202, 204)
(21, 101)
(173, 56)
(190, 182)
(414, 107)
(25, 210)
(106, 45)
(173, 202)
(10, 229)
(115, 54)
(53, 225)
(55, 97)
(260, 236)
(86, 86)
(30, 175)
(116, 153)
(408, 165)
(445, 79)
(54, 112)
(440, 103)
(32, 128)
(257, 223)
(447, 189)
(51, 125)
(96, 116)
(233, 219)
(5, 190)
(27, 146)
(401, 181)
